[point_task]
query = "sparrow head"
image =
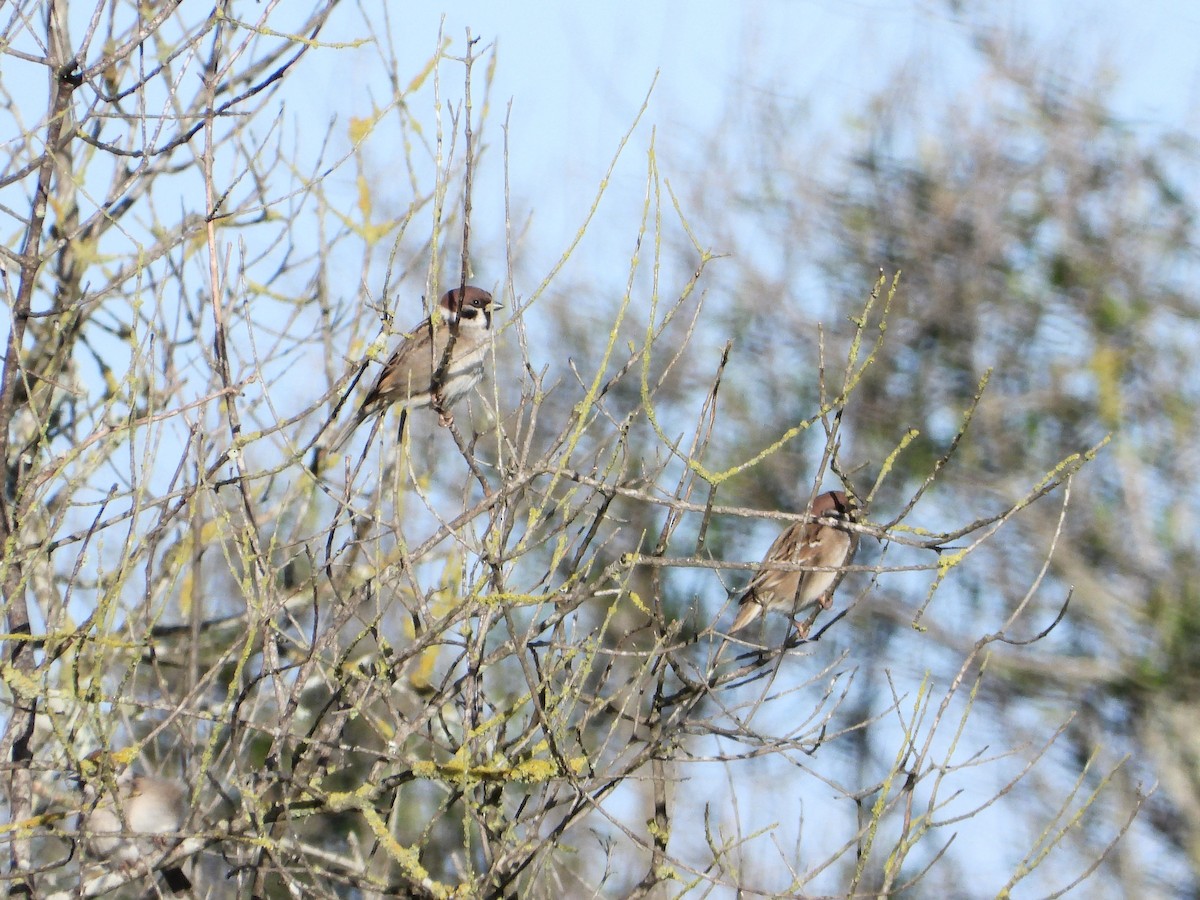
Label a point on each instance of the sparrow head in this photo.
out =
(470, 307)
(835, 505)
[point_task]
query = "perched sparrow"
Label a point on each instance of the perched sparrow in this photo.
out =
(408, 377)
(136, 823)
(804, 544)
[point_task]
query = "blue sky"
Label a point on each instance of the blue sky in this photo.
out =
(577, 74)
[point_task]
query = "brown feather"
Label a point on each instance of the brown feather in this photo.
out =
(407, 377)
(802, 544)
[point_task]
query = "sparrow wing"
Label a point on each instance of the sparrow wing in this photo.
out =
(772, 587)
(808, 544)
(791, 546)
(407, 370)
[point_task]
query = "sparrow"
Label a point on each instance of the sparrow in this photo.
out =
(421, 363)
(136, 822)
(805, 544)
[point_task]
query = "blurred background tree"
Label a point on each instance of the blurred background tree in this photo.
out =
(1052, 245)
(489, 661)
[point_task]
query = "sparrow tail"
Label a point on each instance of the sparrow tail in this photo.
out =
(747, 612)
(348, 432)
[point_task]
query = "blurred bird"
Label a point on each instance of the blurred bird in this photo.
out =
(136, 823)
(408, 378)
(813, 544)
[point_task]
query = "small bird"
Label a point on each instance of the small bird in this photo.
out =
(136, 824)
(408, 378)
(804, 544)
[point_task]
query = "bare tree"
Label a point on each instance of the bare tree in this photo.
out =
(487, 659)
(1048, 251)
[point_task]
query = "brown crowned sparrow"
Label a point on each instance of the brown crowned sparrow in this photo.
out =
(826, 547)
(408, 378)
(134, 823)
